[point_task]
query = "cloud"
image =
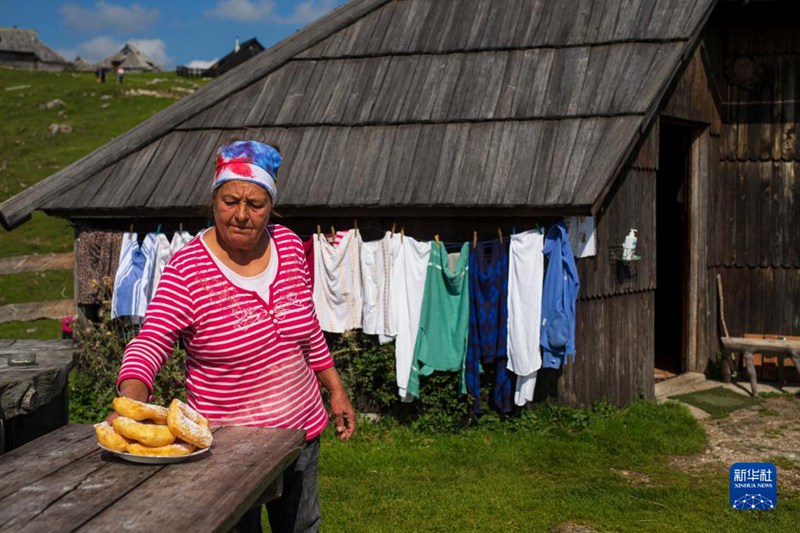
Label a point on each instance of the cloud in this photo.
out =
(309, 11)
(101, 47)
(264, 11)
(155, 49)
(243, 10)
(94, 50)
(200, 63)
(121, 20)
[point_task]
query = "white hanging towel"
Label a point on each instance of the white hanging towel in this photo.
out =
(376, 278)
(337, 283)
(163, 253)
(525, 281)
(179, 240)
(409, 271)
(134, 275)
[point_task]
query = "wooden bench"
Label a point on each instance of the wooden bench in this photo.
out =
(748, 347)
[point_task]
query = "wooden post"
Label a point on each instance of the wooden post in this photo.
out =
(751, 371)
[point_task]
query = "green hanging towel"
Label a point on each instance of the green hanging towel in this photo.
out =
(444, 319)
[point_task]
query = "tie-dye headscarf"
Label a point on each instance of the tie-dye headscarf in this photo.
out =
(248, 161)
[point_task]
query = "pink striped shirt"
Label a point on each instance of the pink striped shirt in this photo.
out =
(249, 362)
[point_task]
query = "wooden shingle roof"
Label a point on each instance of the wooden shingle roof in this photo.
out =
(531, 104)
(17, 40)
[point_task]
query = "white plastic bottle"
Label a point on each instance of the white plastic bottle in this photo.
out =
(629, 246)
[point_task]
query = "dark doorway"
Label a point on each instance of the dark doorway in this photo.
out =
(672, 235)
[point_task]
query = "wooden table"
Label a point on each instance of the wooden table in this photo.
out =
(748, 347)
(33, 399)
(64, 482)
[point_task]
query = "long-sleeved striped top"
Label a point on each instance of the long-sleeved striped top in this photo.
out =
(249, 362)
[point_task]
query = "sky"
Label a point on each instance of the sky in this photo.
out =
(172, 32)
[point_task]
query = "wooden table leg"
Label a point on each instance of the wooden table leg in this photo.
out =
(727, 369)
(796, 359)
(781, 374)
(751, 370)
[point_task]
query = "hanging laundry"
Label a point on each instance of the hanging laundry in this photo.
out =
(134, 275)
(444, 319)
(525, 278)
(97, 257)
(179, 240)
(337, 283)
(308, 251)
(488, 324)
(409, 272)
(558, 300)
(162, 256)
(376, 276)
(581, 236)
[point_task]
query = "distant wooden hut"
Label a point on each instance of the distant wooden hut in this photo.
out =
(23, 49)
(241, 53)
(674, 117)
(131, 59)
(82, 65)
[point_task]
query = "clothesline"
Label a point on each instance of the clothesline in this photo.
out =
(445, 309)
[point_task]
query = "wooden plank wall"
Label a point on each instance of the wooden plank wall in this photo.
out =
(614, 345)
(756, 248)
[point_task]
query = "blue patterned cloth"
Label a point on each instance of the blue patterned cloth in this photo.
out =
(558, 299)
(134, 276)
(488, 324)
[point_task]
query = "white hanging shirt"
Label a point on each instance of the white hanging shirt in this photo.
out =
(376, 278)
(337, 282)
(162, 256)
(259, 283)
(409, 271)
(525, 282)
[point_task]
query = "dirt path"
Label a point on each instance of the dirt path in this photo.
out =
(769, 431)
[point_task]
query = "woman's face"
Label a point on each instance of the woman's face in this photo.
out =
(241, 212)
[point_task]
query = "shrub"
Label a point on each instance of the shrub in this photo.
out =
(92, 385)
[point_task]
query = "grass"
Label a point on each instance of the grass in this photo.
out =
(535, 479)
(35, 286)
(36, 329)
(718, 401)
(29, 153)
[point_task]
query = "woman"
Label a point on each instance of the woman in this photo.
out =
(239, 294)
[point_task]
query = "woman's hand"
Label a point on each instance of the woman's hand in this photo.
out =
(135, 390)
(344, 414)
(341, 408)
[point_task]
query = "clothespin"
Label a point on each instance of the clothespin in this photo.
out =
(319, 232)
(180, 227)
(208, 222)
(355, 225)
(130, 232)
(500, 234)
(158, 229)
(436, 238)
(393, 226)
(474, 239)
(402, 234)
(513, 230)
(333, 233)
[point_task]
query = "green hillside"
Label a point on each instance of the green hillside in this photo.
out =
(88, 115)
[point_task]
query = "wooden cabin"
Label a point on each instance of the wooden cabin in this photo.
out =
(20, 48)
(674, 117)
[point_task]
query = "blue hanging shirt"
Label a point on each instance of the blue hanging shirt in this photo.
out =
(558, 299)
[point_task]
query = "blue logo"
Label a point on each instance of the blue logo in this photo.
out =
(753, 486)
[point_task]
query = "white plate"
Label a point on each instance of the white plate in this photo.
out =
(154, 459)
